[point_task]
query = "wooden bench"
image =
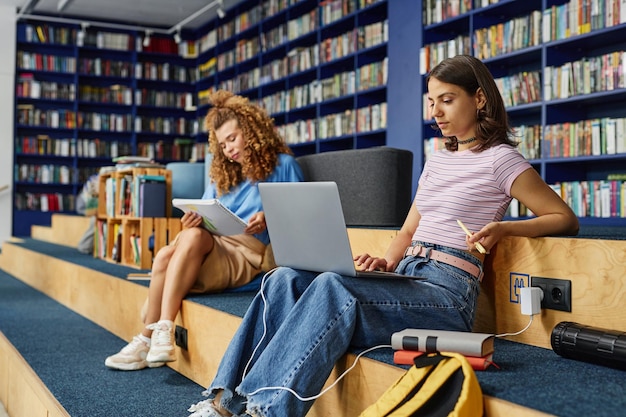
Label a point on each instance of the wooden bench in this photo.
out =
(112, 302)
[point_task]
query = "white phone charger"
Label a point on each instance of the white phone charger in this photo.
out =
(530, 298)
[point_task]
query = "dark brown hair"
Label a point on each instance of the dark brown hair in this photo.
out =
(262, 141)
(469, 73)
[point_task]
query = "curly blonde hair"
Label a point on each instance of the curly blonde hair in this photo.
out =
(263, 143)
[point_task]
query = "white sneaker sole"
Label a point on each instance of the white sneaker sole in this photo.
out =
(157, 357)
(134, 366)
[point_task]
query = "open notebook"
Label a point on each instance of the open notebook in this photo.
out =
(307, 228)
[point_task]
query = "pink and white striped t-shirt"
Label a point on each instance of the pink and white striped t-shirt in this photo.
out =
(474, 187)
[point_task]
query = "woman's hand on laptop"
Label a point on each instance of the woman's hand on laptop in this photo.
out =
(372, 263)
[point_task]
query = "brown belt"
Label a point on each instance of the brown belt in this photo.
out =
(466, 266)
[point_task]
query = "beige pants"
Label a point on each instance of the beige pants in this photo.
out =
(233, 262)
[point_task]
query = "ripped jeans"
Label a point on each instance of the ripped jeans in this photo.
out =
(313, 319)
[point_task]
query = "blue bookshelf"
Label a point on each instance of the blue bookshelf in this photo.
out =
(564, 108)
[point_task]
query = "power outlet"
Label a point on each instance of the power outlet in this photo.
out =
(557, 293)
(180, 335)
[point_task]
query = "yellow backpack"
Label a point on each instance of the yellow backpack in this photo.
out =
(437, 385)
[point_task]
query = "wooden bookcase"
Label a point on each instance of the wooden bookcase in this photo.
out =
(129, 239)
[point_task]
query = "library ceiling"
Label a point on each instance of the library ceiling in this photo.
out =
(146, 13)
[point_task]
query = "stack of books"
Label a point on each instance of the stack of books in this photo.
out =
(478, 348)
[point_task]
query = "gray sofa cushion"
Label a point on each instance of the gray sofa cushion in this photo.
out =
(375, 184)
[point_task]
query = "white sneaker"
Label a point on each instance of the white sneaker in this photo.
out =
(162, 346)
(132, 357)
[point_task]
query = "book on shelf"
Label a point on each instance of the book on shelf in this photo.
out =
(138, 276)
(426, 340)
(216, 218)
(407, 357)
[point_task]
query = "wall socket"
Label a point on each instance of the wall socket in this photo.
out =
(557, 293)
(180, 335)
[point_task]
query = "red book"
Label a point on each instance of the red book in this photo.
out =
(406, 357)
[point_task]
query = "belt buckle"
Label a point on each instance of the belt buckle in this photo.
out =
(417, 251)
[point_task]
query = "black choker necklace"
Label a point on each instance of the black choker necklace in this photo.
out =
(466, 141)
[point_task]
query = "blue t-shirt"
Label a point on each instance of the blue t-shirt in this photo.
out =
(245, 200)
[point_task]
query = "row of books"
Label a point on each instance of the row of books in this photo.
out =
(365, 119)
(100, 239)
(329, 11)
(28, 115)
(135, 195)
(577, 17)
(45, 201)
(164, 71)
(146, 97)
(27, 86)
(165, 125)
(178, 150)
(44, 33)
(520, 88)
(115, 94)
(585, 76)
(70, 147)
(437, 11)
(34, 61)
(604, 136)
(333, 10)
(109, 40)
(594, 198)
(603, 198)
(105, 122)
(45, 174)
(105, 67)
(301, 59)
(342, 84)
(478, 348)
(518, 33)
(302, 25)
(433, 53)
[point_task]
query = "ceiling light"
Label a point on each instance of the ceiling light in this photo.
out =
(62, 5)
(80, 36)
(220, 12)
(146, 39)
(177, 38)
(29, 6)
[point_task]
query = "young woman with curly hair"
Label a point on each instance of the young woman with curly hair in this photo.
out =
(245, 150)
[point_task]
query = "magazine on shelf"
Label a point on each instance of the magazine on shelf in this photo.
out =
(216, 218)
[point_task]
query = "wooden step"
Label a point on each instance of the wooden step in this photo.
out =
(65, 229)
(21, 390)
(115, 304)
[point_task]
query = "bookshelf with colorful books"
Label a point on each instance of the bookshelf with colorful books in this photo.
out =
(46, 178)
(318, 68)
(85, 95)
(134, 215)
(559, 65)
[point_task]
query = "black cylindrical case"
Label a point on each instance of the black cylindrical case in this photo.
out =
(590, 344)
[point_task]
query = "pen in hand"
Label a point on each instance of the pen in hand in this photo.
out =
(480, 247)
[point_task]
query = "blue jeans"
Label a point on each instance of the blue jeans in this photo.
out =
(312, 320)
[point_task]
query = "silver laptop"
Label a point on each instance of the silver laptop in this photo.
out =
(307, 228)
